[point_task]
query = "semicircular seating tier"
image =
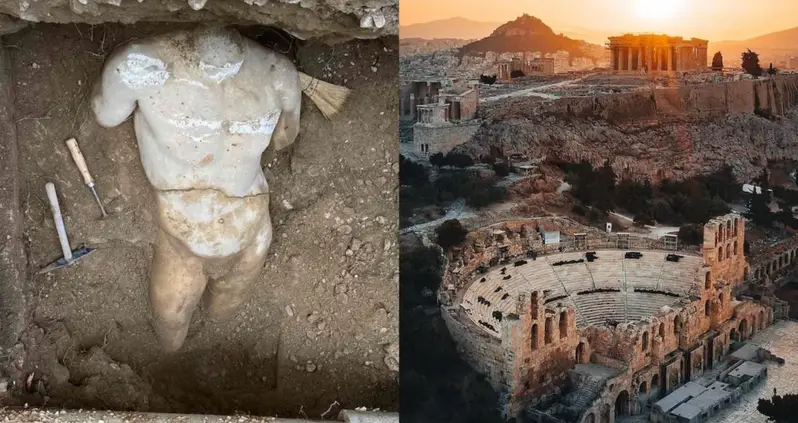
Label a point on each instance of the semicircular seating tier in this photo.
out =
(610, 289)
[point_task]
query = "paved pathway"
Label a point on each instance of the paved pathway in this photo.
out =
(781, 339)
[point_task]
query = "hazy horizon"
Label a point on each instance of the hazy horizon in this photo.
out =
(737, 19)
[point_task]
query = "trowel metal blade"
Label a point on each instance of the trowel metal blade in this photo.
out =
(62, 262)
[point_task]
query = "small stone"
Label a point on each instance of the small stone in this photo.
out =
(349, 252)
(374, 69)
(310, 334)
(287, 205)
(344, 229)
(293, 358)
(381, 220)
(341, 288)
(289, 310)
(310, 367)
(356, 244)
(322, 325)
(313, 318)
(387, 245)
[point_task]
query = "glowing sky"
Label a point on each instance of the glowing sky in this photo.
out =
(715, 20)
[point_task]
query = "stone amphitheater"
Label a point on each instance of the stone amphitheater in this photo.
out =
(573, 324)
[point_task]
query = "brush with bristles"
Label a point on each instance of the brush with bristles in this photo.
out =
(329, 98)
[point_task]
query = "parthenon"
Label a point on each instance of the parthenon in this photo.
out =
(656, 53)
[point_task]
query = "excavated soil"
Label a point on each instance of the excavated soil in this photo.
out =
(322, 324)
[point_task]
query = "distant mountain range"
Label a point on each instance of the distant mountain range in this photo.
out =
(461, 28)
(771, 47)
(528, 33)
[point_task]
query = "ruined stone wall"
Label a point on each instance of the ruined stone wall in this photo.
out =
(673, 133)
(724, 238)
(468, 105)
(774, 262)
(482, 352)
(543, 345)
(443, 138)
(686, 102)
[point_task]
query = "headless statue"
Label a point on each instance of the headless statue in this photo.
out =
(206, 104)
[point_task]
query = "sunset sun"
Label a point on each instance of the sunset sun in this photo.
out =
(657, 10)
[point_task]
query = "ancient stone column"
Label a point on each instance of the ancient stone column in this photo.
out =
(628, 58)
(640, 58)
(412, 105)
(401, 106)
(669, 54)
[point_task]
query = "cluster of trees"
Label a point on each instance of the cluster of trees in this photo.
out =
(779, 409)
(717, 61)
(451, 159)
(759, 204)
(750, 63)
(487, 79)
(419, 190)
(693, 201)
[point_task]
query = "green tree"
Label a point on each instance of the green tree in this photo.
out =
(691, 234)
(450, 233)
(759, 202)
(502, 169)
(779, 409)
(772, 70)
(437, 160)
(717, 61)
(458, 160)
(487, 79)
(750, 62)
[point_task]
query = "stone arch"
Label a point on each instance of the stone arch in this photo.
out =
(563, 324)
(645, 340)
(547, 330)
(643, 388)
(708, 280)
(605, 413)
(534, 341)
(762, 319)
(590, 418)
(662, 331)
(743, 330)
(735, 247)
(735, 226)
(677, 324)
(720, 299)
(580, 353)
(654, 382)
(733, 335)
(706, 308)
(622, 404)
(728, 250)
(728, 228)
(753, 325)
(720, 253)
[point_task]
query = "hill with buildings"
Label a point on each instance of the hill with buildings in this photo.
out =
(459, 28)
(528, 33)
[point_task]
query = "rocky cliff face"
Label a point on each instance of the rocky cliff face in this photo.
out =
(331, 19)
(668, 133)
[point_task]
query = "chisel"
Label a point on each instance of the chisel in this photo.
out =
(77, 156)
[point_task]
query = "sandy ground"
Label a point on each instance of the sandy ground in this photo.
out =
(322, 323)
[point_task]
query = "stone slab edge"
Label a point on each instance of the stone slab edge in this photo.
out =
(20, 415)
(13, 262)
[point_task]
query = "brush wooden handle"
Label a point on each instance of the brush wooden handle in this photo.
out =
(59, 221)
(77, 156)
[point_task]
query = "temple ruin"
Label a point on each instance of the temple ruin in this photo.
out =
(656, 53)
(592, 326)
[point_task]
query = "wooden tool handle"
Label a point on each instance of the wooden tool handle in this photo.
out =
(77, 156)
(59, 221)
